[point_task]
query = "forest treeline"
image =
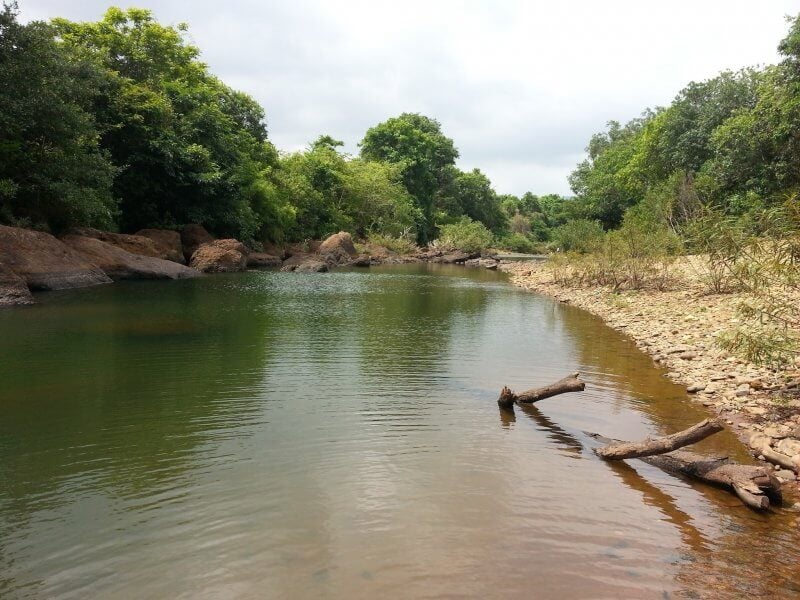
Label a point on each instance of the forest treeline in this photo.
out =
(117, 124)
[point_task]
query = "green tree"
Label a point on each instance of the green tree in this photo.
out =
(53, 173)
(471, 194)
(424, 153)
(603, 182)
(190, 148)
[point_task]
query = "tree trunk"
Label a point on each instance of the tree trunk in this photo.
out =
(661, 445)
(754, 485)
(571, 383)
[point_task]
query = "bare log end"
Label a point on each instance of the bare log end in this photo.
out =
(757, 501)
(506, 399)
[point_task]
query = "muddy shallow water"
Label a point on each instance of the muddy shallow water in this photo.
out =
(279, 435)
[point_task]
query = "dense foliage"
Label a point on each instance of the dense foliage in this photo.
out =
(118, 124)
(728, 144)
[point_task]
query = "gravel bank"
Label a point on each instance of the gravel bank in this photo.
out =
(678, 328)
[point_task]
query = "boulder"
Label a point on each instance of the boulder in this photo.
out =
(44, 262)
(167, 242)
(304, 263)
(261, 260)
(455, 257)
(135, 244)
(192, 237)
(338, 249)
(119, 264)
(220, 256)
(13, 289)
(362, 260)
(311, 266)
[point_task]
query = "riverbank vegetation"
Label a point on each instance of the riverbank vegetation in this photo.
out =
(117, 124)
(715, 174)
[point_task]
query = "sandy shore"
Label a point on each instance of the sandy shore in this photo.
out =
(678, 328)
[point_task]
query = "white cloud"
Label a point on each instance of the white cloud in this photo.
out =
(520, 86)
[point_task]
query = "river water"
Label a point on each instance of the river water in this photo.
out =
(281, 435)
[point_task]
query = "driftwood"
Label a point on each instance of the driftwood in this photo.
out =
(754, 485)
(661, 445)
(571, 383)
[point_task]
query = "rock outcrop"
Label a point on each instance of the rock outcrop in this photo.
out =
(168, 243)
(135, 244)
(13, 289)
(261, 260)
(311, 266)
(454, 257)
(119, 264)
(304, 263)
(192, 237)
(44, 262)
(338, 249)
(220, 256)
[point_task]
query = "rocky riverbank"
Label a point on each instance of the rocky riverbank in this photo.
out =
(679, 328)
(32, 261)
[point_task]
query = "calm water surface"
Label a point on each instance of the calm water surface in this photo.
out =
(274, 435)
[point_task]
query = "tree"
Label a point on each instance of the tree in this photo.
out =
(53, 173)
(470, 194)
(424, 153)
(190, 148)
(603, 182)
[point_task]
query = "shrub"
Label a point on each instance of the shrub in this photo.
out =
(466, 235)
(401, 244)
(579, 235)
(516, 242)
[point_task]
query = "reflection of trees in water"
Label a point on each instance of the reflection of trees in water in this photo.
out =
(117, 388)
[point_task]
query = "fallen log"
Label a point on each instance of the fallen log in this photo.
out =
(571, 383)
(754, 485)
(660, 445)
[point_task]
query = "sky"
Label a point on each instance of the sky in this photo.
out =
(520, 86)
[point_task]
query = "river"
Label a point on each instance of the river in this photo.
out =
(280, 435)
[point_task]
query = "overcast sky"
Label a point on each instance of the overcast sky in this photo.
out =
(519, 85)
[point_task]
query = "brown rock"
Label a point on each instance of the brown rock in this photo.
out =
(167, 242)
(119, 264)
(220, 256)
(192, 237)
(13, 290)
(454, 257)
(261, 260)
(135, 244)
(312, 266)
(338, 249)
(44, 262)
(360, 261)
(307, 263)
